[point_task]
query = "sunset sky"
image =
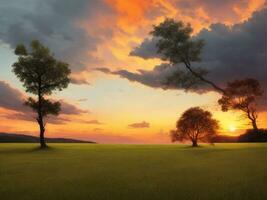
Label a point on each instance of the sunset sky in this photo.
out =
(115, 95)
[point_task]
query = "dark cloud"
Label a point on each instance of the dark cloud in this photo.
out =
(104, 70)
(161, 77)
(79, 81)
(12, 99)
(139, 125)
(147, 49)
(231, 52)
(238, 51)
(53, 22)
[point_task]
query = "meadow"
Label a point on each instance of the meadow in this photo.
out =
(93, 171)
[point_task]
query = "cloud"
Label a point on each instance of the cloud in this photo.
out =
(161, 77)
(238, 51)
(79, 81)
(104, 70)
(217, 9)
(231, 52)
(75, 29)
(70, 109)
(147, 49)
(12, 99)
(55, 23)
(134, 14)
(93, 122)
(32, 118)
(139, 125)
(89, 33)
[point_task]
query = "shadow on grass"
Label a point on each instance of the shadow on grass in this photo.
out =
(198, 147)
(23, 149)
(42, 149)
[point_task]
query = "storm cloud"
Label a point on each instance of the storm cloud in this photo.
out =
(54, 23)
(231, 52)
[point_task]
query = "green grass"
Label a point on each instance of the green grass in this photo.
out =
(156, 172)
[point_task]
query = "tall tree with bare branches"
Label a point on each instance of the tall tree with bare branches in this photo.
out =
(242, 95)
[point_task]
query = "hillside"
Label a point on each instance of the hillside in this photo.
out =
(19, 138)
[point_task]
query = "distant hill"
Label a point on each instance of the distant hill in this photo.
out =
(248, 136)
(225, 139)
(18, 138)
(253, 136)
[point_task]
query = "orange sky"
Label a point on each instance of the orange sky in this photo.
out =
(116, 102)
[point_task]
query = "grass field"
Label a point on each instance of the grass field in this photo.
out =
(158, 172)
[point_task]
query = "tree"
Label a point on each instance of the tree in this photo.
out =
(242, 95)
(176, 45)
(196, 125)
(41, 74)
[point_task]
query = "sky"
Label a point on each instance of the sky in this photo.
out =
(116, 95)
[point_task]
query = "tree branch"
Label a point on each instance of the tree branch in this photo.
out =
(217, 88)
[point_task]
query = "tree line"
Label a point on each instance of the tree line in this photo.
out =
(41, 74)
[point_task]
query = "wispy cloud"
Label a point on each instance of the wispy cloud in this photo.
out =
(139, 125)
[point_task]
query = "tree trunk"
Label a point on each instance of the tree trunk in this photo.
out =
(254, 125)
(194, 143)
(42, 131)
(40, 118)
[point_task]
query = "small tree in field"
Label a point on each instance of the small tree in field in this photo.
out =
(242, 95)
(41, 74)
(195, 125)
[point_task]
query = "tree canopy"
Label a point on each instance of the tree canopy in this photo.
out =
(177, 45)
(39, 71)
(195, 125)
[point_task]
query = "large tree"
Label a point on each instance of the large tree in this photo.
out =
(177, 45)
(41, 74)
(242, 95)
(195, 125)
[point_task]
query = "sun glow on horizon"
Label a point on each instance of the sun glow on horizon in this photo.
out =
(232, 128)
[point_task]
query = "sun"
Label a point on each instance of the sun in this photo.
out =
(232, 128)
